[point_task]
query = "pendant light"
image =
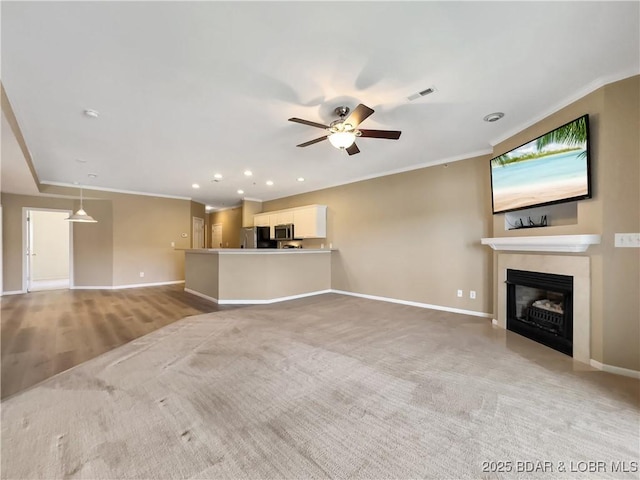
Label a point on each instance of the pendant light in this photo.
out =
(81, 216)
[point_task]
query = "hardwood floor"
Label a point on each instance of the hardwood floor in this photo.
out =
(44, 333)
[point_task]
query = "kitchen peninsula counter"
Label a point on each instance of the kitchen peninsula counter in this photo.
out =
(251, 276)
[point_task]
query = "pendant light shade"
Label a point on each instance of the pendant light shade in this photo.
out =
(81, 216)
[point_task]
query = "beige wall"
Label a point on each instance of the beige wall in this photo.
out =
(269, 276)
(620, 174)
(412, 236)
(93, 245)
(143, 229)
(241, 277)
(615, 207)
(249, 209)
(133, 234)
(231, 221)
(92, 242)
(202, 274)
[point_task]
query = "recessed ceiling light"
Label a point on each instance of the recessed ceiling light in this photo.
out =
(208, 207)
(493, 117)
(92, 175)
(248, 173)
(218, 176)
(195, 185)
(91, 113)
(300, 179)
(269, 182)
(240, 192)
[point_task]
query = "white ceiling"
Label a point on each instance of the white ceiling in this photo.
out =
(186, 90)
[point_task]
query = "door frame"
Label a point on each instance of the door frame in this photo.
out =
(25, 245)
(212, 227)
(194, 221)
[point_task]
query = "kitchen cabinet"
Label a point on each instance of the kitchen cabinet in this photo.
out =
(261, 220)
(280, 217)
(309, 221)
(264, 220)
(283, 217)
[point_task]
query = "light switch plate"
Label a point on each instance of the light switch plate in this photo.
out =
(627, 240)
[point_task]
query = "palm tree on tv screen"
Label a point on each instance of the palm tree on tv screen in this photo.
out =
(573, 134)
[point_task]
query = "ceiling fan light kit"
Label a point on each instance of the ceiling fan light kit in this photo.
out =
(342, 139)
(342, 133)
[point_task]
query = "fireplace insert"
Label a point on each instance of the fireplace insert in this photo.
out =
(540, 307)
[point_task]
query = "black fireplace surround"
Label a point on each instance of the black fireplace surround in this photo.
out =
(540, 307)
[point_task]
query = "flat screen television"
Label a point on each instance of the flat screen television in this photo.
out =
(553, 168)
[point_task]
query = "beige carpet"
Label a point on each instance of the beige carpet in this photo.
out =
(328, 386)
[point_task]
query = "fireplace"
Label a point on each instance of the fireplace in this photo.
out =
(540, 307)
(576, 266)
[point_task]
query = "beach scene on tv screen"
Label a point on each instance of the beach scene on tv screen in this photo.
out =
(550, 168)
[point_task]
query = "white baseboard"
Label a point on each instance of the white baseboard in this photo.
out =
(626, 372)
(201, 295)
(140, 285)
(120, 287)
(415, 304)
(272, 300)
(14, 292)
(38, 285)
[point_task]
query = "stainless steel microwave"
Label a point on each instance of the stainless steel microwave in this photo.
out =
(283, 232)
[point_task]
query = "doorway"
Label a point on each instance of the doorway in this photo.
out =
(48, 250)
(216, 235)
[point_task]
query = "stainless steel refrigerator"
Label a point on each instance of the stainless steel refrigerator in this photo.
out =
(256, 237)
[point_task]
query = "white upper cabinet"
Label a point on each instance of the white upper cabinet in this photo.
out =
(262, 220)
(283, 217)
(308, 222)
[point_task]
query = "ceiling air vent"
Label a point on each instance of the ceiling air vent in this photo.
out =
(423, 93)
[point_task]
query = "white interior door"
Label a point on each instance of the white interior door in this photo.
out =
(216, 235)
(198, 233)
(48, 250)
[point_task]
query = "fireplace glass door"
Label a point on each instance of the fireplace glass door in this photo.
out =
(540, 307)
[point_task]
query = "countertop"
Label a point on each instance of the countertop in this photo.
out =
(256, 251)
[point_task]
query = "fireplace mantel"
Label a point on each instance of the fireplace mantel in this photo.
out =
(551, 243)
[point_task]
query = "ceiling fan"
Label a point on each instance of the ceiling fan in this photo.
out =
(342, 132)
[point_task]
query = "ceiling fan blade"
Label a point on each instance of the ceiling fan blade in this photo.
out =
(311, 142)
(307, 122)
(388, 134)
(361, 113)
(353, 149)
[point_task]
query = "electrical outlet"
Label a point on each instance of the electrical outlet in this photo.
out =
(173, 244)
(472, 294)
(141, 274)
(627, 240)
(460, 293)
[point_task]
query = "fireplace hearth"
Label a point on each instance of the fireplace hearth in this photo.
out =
(540, 307)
